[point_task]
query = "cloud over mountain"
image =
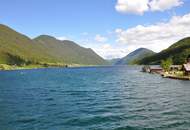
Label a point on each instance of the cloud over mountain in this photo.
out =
(156, 36)
(100, 38)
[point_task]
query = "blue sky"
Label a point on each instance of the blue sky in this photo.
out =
(103, 25)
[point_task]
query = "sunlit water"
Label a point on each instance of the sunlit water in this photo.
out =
(94, 98)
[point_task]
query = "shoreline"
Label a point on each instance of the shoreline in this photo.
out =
(5, 67)
(170, 76)
(177, 75)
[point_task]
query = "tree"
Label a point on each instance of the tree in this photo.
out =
(181, 58)
(165, 64)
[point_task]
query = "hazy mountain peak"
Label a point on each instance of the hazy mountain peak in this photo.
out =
(134, 56)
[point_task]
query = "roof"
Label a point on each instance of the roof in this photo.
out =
(187, 67)
(156, 69)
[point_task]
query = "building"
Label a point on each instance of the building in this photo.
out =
(156, 70)
(148, 69)
(186, 67)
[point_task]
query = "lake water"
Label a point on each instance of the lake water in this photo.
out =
(94, 98)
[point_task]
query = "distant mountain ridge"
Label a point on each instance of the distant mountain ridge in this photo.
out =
(179, 51)
(134, 56)
(68, 51)
(16, 48)
(113, 61)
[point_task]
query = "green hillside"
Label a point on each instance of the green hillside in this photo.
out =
(68, 51)
(134, 56)
(178, 52)
(18, 49)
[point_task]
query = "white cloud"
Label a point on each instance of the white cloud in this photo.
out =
(161, 5)
(109, 51)
(157, 36)
(141, 6)
(132, 6)
(62, 38)
(100, 38)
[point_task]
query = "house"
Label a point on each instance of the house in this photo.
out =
(186, 69)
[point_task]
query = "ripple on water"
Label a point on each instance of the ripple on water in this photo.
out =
(93, 120)
(175, 124)
(26, 120)
(133, 128)
(49, 99)
(112, 98)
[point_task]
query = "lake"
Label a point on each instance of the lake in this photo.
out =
(92, 98)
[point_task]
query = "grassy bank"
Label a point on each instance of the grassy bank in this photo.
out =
(176, 76)
(31, 66)
(41, 65)
(15, 67)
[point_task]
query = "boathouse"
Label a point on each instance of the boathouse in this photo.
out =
(156, 70)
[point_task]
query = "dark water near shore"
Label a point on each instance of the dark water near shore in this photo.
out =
(102, 98)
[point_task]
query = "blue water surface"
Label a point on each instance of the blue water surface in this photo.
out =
(92, 98)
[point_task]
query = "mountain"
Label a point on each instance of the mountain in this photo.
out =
(134, 56)
(179, 51)
(113, 61)
(68, 51)
(16, 48)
